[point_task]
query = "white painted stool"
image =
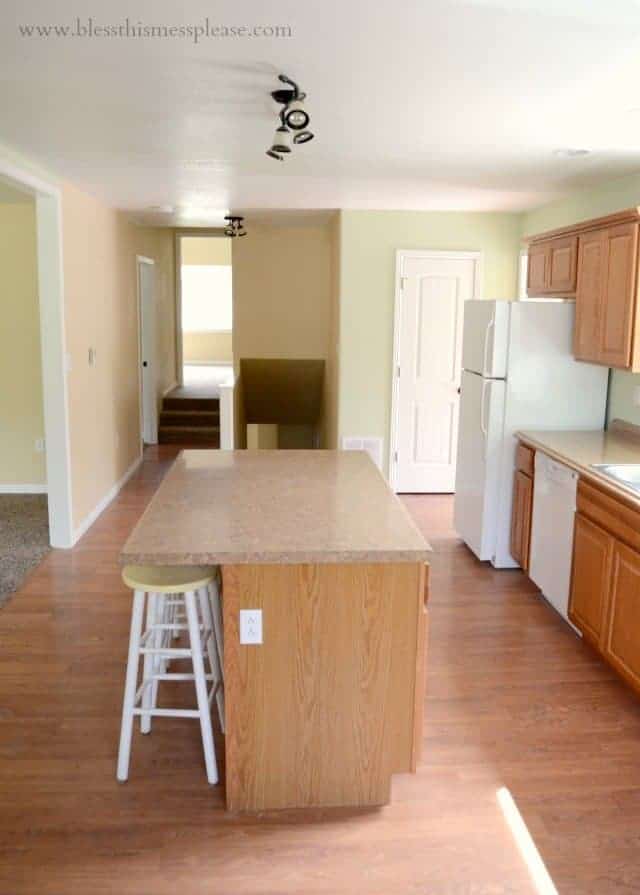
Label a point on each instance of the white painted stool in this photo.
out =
(178, 599)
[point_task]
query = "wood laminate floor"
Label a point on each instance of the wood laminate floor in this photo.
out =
(514, 700)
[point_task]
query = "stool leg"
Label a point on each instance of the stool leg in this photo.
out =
(212, 652)
(201, 687)
(149, 665)
(126, 728)
(214, 590)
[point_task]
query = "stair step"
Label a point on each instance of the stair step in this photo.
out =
(204, 404)
(189, 435)
(190, 418)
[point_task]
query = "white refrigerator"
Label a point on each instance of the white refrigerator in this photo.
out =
(518, 373)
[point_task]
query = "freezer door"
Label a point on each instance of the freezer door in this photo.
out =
(476, 501)
(486, 337)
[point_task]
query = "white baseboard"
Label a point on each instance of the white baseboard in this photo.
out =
(88, 521)
(23, 489)
(208, 363)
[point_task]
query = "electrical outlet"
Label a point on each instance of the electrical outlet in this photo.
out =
(636, 395)
(250, 626)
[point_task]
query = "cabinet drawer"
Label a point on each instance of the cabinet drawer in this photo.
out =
(524, 459)
(619, 517)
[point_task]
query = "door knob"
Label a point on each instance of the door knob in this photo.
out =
(144, 363)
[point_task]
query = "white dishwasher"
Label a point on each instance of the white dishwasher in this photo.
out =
(554, 507)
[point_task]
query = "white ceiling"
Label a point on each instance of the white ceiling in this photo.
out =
(416, 105)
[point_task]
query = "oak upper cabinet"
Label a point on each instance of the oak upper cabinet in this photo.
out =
(606, 295)
(592, 551)
(552, 266)
(522, 506)
(622, 643)
(619, 295)
(597, 261)
(586, 337)
(537, 269)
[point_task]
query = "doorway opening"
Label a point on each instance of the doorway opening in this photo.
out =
(431, 288)
(147, 350)
(36, 454)
(205, 288)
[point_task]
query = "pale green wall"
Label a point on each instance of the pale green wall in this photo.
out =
(368, 244)
(614, 195)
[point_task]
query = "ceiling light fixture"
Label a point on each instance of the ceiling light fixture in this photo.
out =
(293, 117)
(235, 227)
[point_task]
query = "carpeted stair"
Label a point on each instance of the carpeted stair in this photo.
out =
(190, 421)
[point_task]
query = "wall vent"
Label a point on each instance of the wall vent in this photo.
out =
(373, 446)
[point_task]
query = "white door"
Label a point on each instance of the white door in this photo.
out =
(428, 350)
(149, 398)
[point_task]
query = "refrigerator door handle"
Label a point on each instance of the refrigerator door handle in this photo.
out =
(486, 386)
(490, 325)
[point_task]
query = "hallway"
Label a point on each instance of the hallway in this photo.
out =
(514, 700)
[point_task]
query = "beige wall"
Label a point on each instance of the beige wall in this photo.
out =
(613, 195)
(100, 277)
(206, 347)
(282, 291)
(21, 410)
(205, 250)
(368, 244)
(331, 393)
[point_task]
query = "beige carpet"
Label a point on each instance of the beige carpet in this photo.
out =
(24, 538)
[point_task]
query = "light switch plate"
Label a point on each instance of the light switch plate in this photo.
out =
(250, 626)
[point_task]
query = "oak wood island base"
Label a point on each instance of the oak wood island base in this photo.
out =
(329, 706)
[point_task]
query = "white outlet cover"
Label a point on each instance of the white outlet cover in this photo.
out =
(250, 626)
(636, 395)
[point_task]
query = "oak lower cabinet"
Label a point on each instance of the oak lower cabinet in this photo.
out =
(592, 551)
(522, 506)
(521, 518)
(605, 588)
(622, 643)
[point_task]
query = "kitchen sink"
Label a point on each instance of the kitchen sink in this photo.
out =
(627, 473)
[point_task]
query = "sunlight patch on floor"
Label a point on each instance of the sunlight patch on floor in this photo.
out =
(526, 846)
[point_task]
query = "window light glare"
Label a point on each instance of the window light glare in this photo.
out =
(526, 846)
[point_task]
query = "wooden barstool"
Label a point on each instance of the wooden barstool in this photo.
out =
(178, 599)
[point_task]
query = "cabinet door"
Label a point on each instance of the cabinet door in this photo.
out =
(537, 269)
(622, 642)
(563, 263)
(521, 518)
(591, 262)
(592, 552)
(618, 295)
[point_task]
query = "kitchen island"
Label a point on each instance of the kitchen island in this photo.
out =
(329, 705)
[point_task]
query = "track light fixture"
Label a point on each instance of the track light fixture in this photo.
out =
(293, 117)
(235, 227)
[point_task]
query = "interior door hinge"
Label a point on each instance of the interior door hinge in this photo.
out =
(403, 280)
(395, 456)
(398, 370)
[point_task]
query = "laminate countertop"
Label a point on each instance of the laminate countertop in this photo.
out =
(580, 449)
(217, 507)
